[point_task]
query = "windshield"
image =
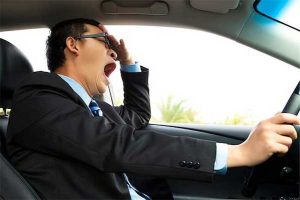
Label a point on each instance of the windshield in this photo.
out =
(283, 11)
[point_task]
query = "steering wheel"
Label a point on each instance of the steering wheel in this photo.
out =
(284, 168)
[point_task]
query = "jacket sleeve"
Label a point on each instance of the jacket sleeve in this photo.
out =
(47, 121)
(136, 110)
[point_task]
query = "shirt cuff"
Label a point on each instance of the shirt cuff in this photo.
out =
(131, 68)
(221, 158)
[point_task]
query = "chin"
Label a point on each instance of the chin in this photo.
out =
(102, 90)
(102, 86)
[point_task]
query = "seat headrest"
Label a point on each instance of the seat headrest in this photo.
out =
(13, 67)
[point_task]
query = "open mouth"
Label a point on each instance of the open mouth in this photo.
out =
(109, 68)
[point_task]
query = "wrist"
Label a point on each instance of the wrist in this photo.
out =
(236, 156)
(128, 61)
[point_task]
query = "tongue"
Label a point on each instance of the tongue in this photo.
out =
(109, 68)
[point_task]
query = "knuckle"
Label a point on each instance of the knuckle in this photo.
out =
(264, 126)
(281, 116)
(261, 124)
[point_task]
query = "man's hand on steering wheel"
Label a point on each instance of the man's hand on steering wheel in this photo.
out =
(269, 137)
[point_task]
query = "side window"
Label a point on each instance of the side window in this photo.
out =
(32, 43)
(195, 76)
(202, 78)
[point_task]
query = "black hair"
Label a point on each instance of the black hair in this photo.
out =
(56, 42)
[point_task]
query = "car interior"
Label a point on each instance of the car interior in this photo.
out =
(235, 19)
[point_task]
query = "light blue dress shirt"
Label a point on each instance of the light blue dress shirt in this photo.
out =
(221, 158)
(220, 165)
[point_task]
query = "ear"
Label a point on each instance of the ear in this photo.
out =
(71, 45)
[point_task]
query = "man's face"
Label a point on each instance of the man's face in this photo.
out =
(98, 61)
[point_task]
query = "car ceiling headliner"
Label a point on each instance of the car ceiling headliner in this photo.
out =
(21, 14)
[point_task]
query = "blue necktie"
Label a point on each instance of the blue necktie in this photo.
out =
(95, 108)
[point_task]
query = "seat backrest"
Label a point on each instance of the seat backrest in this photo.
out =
(13, 185)
(13, 67)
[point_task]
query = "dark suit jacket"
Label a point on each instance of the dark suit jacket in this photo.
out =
(66, 153)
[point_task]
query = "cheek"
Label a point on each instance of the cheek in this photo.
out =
(95, 54)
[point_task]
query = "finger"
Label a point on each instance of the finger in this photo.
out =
(122, 43)
(285, 118)
(113, 40)
(284, 140)
(280, 148)
(102, 27)
(285, 130)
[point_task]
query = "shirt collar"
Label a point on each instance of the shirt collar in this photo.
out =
(77, 88)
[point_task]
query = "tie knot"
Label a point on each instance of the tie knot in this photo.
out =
(94, 107)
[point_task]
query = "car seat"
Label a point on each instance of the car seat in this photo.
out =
(13, 67)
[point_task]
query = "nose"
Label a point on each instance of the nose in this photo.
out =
(112, 54)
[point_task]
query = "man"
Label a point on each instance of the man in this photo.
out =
(69, 148)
